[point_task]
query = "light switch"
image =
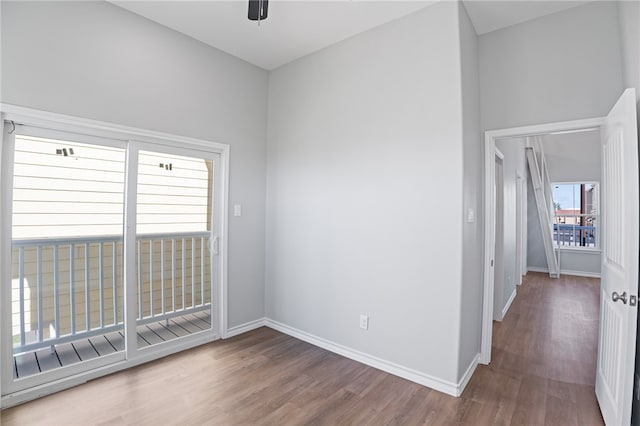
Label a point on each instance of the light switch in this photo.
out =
(237, 210)
(471, 216)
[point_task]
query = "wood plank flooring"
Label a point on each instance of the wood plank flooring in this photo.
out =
(542, 373)
(35, 362)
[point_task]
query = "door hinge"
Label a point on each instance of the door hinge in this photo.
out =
(633, 300)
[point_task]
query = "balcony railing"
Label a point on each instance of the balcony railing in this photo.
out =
(574, 235)
(66, 289)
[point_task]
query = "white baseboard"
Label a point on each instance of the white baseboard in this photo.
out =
(508, 304)
(248, 326)
(537, 269)
(450, 388)
(579, 273)
(464, 381)
(565, 272)
(454, 389)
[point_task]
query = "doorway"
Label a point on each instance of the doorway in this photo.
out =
(491, 138)
(617, 337)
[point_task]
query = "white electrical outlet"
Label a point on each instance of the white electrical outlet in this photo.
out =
(364, 322)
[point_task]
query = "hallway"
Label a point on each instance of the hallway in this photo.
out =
(543, 372)
(544, 355)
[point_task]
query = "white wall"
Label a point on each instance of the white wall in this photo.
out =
(559, 67)
(573, 157)
(536, 258)
(577, 262)
(364, 204)
(513, 151)
(629, 16)
(472, 233)
(95, 60)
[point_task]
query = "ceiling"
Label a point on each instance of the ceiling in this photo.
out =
(489, 16)
(297, 28)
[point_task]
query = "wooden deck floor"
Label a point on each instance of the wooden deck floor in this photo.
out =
(42, 360)
(542, 374)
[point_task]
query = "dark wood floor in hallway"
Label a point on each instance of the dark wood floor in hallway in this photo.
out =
(543, 372)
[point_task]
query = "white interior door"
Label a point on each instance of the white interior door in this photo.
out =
(619, 288)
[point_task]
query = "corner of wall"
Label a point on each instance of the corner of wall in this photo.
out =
(470, 314)
(339, 117)
(629, 25)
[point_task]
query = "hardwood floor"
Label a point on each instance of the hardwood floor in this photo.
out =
(543, 372)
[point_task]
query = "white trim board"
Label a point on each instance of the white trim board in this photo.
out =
(565, 272)
(466, 377)
(509, 302)
(450, 388)
(67, 123)
(454, 389)
(246, 327)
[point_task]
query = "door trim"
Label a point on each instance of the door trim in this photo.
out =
(490, 138)
(495, 201)
(519, 228)
(66, 123)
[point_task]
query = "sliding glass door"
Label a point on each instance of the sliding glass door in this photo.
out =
(175, 245)
(113, 252)
(66, 253)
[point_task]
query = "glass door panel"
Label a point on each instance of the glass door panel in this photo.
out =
(66, 253)
(173, 247)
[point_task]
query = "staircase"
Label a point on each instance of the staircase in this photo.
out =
(544, 200)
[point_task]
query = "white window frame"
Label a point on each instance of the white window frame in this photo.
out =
(598, 227)
(128, 135)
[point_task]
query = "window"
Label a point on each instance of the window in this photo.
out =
(576, 214)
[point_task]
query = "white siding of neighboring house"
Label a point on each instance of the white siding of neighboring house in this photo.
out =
(82, 195)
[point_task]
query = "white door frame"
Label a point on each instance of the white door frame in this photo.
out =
(498, 258)
(524, 223)
(72, 124)
(490, 139)
(519, 226)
